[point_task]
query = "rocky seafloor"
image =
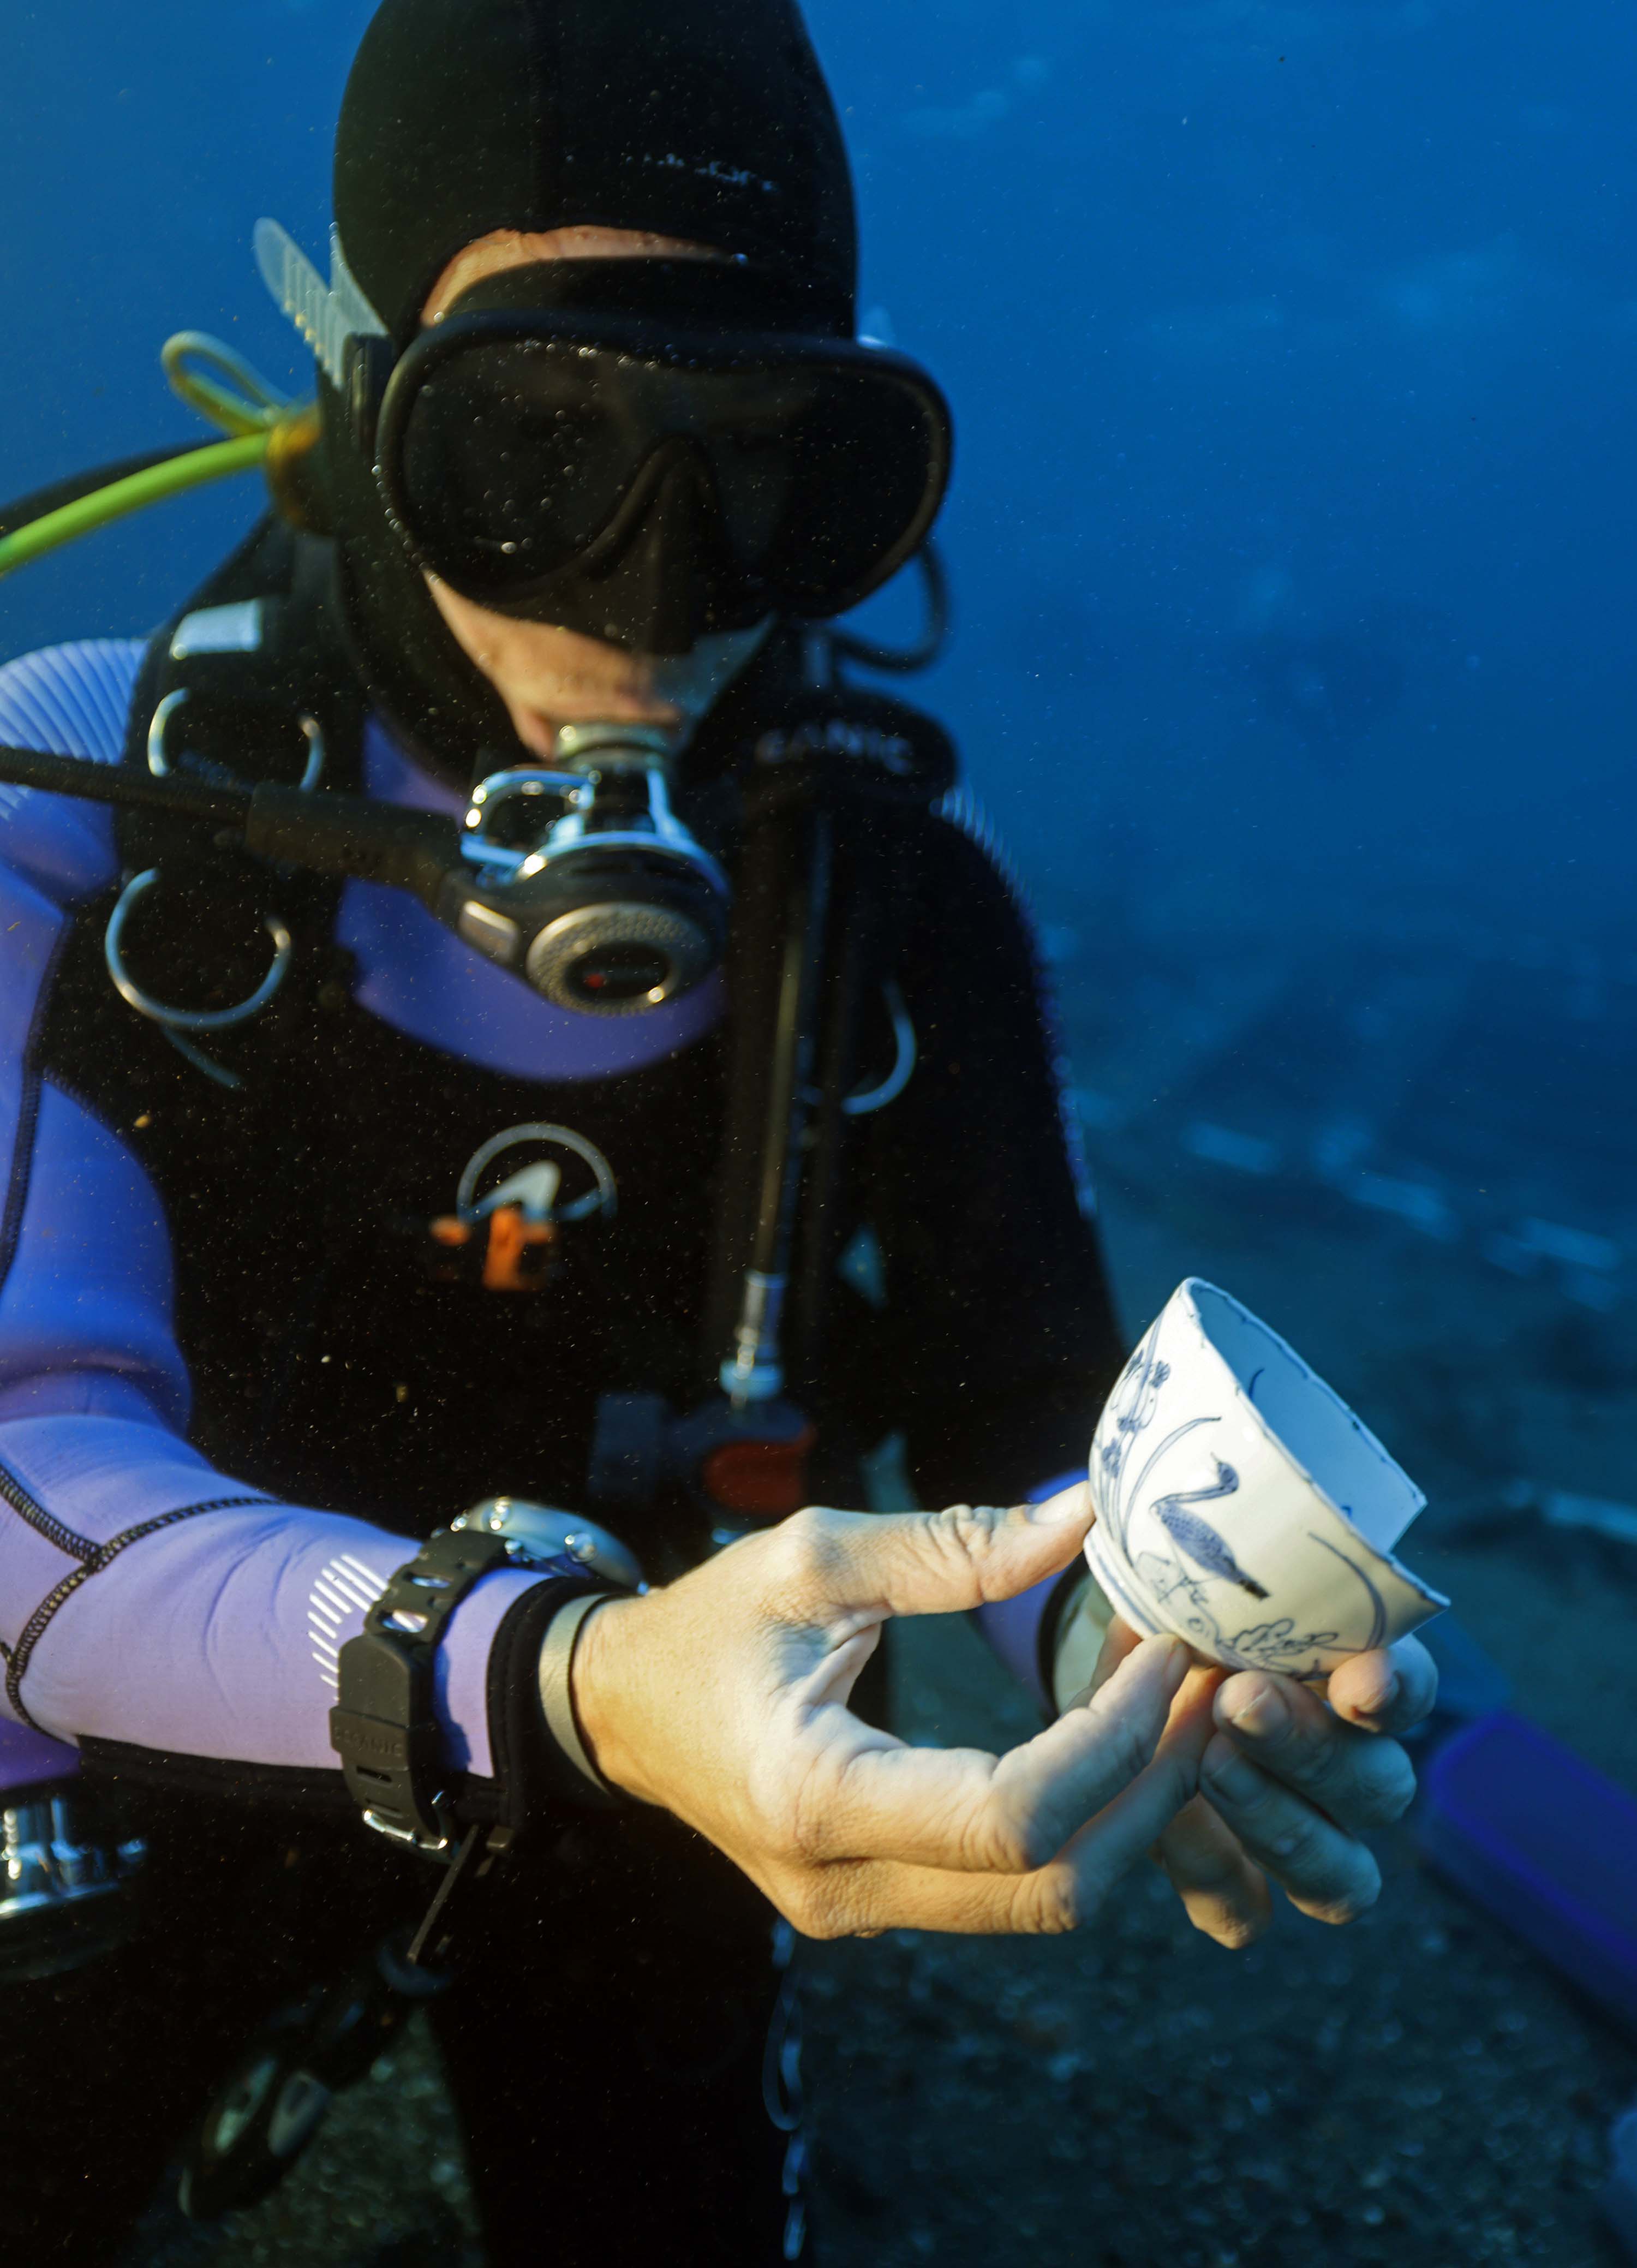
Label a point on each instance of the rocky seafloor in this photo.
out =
(1418, 2090)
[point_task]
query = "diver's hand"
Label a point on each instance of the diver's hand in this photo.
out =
(1290, 1784)
(723, 1696)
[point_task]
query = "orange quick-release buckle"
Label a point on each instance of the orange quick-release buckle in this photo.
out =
(516, 1253)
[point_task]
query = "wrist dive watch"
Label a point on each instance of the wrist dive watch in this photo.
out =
(385, 1725)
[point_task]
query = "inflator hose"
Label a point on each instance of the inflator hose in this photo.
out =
(37, 524)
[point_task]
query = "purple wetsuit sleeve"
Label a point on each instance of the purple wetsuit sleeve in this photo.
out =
(152, 1602)
(1012, 1626)
(145, 1598)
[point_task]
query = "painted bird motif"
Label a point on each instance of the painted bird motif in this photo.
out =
(1196, 1536)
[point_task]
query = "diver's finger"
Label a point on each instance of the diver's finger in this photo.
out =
(969, 1812)
(1224, 1893)
(823, 1564)
(1362, 1780)
(1388, 1691)
(861, 1898)
(1120, 1640)
(1324, 1871)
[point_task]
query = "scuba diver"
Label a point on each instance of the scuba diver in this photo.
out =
(499, 958)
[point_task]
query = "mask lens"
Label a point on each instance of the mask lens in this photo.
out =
(511, 462)
(860, 467)
(514, 456)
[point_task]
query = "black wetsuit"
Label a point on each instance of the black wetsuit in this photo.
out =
(607, 2045)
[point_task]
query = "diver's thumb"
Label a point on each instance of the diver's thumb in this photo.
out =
(945, 1563)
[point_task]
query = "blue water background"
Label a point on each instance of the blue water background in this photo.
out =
(1293, 350)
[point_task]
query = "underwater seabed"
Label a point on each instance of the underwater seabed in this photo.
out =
(1349, 1139)
(1418, 2088)
(1403, 1143)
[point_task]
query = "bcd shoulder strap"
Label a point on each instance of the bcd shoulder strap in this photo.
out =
(247, 682)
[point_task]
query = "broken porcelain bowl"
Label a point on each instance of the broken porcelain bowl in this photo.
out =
(1241, 1504)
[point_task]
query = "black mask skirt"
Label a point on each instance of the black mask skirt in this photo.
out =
(648, 451)
(704, 120)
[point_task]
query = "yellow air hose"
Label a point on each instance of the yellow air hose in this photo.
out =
(263, 427)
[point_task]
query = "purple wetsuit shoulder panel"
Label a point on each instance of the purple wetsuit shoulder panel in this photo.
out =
(72, 699)
(27, 1757)
(30, 928)
(89, 1288)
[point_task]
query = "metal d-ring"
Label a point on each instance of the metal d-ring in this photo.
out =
(175, 1022)
(159, 726)
(869, 1099)
(603, 1198)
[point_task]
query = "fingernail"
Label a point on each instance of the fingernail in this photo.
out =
(1231, 1775)
(1385, 1698)
(1062, 1510)
(1265, 1713)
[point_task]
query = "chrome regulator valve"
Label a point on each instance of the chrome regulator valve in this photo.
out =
(585, 878)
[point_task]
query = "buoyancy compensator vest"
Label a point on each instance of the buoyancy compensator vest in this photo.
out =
(354, 1337)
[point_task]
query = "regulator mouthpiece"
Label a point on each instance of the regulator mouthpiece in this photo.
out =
(585, 878)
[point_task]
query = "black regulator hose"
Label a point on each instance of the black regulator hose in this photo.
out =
(906, 661)
(183, 798)
(343, 835)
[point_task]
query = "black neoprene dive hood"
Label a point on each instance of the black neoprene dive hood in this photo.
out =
(706, 120)
(703, 120)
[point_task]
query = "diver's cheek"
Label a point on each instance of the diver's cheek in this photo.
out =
(549, 676)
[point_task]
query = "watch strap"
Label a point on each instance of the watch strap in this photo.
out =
(384, 1726)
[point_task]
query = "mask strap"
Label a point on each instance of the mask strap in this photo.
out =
(326, 314)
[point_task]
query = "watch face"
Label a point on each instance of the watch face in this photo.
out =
(543, 1535)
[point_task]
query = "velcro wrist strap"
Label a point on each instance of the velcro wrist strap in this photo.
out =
(536, 1772)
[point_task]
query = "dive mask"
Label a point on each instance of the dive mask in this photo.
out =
(649, 452)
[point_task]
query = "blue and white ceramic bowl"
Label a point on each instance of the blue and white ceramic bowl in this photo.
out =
(1241, 1505)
